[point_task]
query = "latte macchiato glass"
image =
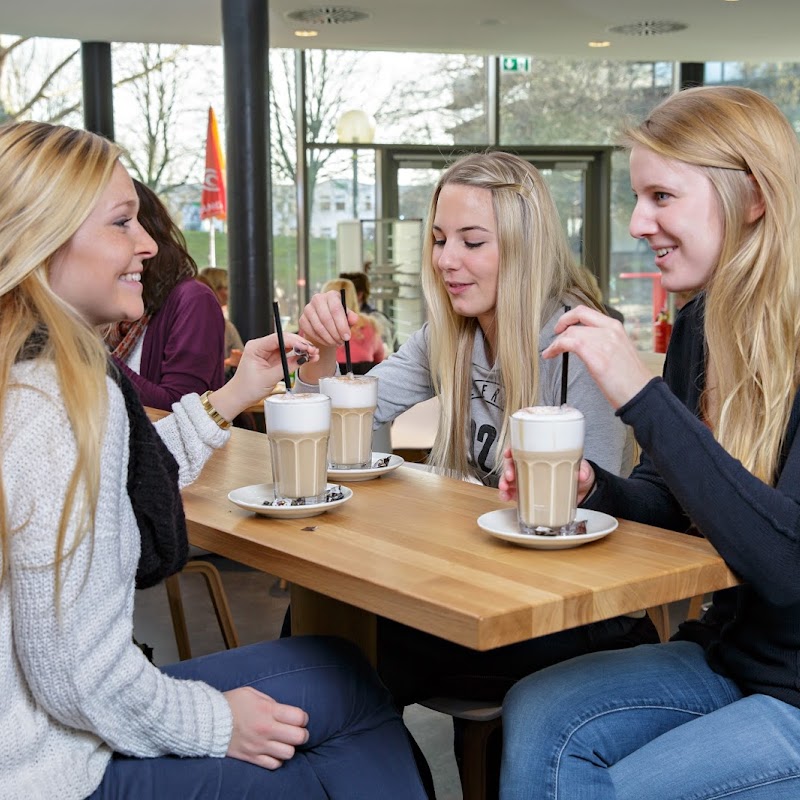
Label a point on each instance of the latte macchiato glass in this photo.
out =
(298, 426)
(547, 447)
(353, 401)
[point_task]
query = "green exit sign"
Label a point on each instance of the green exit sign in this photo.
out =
(515, 64)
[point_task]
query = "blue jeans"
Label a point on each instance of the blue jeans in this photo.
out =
(655, 723)
(358, 747)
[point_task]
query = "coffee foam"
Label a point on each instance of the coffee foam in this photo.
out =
(358, 391)
(538, 429)
(297, 413)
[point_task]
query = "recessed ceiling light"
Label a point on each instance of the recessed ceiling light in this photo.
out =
(599, 44)
(327, 15)
(306, 33)
(648, 27)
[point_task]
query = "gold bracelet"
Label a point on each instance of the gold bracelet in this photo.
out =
(213, 413)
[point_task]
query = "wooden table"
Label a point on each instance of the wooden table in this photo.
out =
(407, 547)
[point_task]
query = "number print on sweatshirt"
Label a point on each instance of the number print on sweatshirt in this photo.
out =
(483, 438)
(487, 395)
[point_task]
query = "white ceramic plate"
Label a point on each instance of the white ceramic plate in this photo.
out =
(367, 473)
(503, 524)
(252, 498)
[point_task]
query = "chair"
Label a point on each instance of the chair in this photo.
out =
(218, 599)
(481, 720)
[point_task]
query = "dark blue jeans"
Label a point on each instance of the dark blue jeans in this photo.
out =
(358, 747)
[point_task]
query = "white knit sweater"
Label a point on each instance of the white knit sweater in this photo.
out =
(74, 687)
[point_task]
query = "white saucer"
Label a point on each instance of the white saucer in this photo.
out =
(252, 498)
(366, 473)
(504, 525)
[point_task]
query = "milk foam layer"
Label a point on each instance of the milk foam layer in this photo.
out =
(360, 391)
(297, 413)
(544, 429)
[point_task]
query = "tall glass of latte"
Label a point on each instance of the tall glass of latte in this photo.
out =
(547, 447)
(298, 426)
(353, 401)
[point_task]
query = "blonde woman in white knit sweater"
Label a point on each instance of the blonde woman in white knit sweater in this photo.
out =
(77, 695)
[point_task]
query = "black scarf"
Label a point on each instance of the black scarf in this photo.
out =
(152, 483)
(154, 494)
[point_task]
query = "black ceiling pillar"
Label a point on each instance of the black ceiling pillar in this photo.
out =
(245, 46)
(98, 88)
(692, 74)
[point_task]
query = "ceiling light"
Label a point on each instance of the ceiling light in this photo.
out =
(306, 33)
(599, 44)
(327, 15)
(648, 27)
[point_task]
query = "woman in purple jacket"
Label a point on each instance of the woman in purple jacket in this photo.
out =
(177, 347)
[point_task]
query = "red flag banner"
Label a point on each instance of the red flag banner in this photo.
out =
(214, 201)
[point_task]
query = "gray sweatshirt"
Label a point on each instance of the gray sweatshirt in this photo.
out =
(405, 380)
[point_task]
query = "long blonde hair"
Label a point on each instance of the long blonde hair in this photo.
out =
(750, 153)
(536, 270)
(53, 177)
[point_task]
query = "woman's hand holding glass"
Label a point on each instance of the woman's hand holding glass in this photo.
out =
(609, 355)
(508, 479)
(260, 368)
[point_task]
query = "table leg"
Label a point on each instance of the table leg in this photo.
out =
(313, 612)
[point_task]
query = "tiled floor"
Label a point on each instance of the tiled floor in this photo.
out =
(258, 605)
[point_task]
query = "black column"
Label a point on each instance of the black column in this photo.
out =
(692, 74)
(245, 45)
(98, 103)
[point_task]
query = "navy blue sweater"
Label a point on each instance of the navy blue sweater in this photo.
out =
(685, 479)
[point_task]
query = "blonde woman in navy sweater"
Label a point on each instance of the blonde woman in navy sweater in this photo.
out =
(715, 712)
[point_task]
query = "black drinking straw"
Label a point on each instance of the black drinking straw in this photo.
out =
(564, 369)
(277, 314)
(347, 343)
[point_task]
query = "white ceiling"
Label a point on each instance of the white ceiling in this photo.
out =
(717, 30)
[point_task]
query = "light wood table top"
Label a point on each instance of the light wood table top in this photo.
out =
(407, 546)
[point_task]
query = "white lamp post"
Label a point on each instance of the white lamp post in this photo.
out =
(355, 127)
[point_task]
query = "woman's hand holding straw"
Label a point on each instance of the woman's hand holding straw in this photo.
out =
(263, 363)
(604, 347)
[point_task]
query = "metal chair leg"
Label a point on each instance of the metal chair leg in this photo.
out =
(474, 770)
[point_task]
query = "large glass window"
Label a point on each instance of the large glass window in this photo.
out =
(586, 102)
(415, 98)
(780, 82)
(40, 79)
(160, 122)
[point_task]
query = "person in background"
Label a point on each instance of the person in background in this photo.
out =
(217, 280)
(366, 347)
(83, 473)
(497, 271)
(716, 711)
(361, 282)
(176, 346)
